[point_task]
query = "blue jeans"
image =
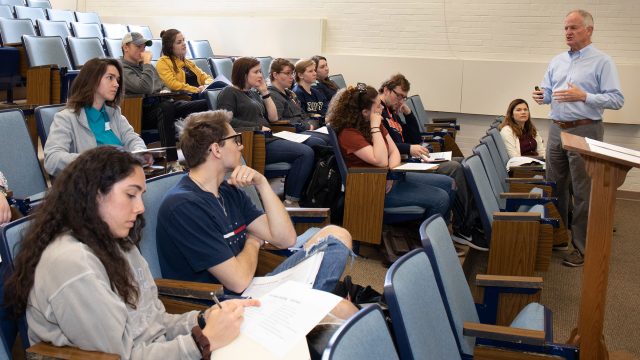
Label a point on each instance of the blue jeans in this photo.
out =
(434, 192)
(333, 263)
(301, 158)
(316, 138)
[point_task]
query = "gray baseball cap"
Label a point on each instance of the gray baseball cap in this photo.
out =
(136, 38)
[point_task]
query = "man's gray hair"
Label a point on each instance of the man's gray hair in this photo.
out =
(586, 16)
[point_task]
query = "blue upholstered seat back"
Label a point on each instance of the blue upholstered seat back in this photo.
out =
(61, 15)
(31, 13)
(221, 66)
(88, 17)
(84, 49)
(203, 64)
(144, 30)
(114, 47)
(54, 28)
(502, 148)
(201, 49)
(339, 80)
(81, 29)
(114, 31)
(156, 189)
(363, 336)
(482, 192)
(46, 50)
(418, 315)
(155, 48)
(18, 159)
(450, 278)
(44, 118)
(11, 30)
(419, 111)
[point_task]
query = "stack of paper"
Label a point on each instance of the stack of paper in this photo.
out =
(277, 328)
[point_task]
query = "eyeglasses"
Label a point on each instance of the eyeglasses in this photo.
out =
(289, 74)
(399, 96)
(237, 138)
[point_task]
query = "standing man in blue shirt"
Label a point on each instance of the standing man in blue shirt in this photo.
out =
(579, 85)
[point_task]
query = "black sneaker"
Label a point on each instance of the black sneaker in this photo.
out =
(575, 259)
(463, 240)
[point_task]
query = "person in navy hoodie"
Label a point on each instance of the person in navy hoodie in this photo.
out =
(325, 85)
(313, 102)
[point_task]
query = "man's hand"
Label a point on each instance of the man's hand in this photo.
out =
(572, 94)
(244, 176)
(538, 96)
(146, 57)
(417, 150)
(5, 210)
(223, 325)
(405, 108)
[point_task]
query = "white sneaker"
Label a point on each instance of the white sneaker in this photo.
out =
(460, 239)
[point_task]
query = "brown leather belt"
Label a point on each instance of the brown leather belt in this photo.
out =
(572, 124)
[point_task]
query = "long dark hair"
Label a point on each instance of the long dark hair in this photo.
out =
(519, 131)
(168, 38)
(345, 110)
(72, 206)
(85, 85)
(330, 84)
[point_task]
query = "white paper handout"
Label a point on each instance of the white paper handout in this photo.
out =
(322, 130)
(305, 272)
(415, 167)
(437, 156)
(521, 160)
(613, 150)
(279, 325)
(291, 136)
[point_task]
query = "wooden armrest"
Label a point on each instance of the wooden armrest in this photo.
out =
(308, 212)
(503, 333)
(280, 122)
(518, 216)
(510, 195)
(366, 170)
(48, 351)
(526, 282)
(526, 180)
(187, 289)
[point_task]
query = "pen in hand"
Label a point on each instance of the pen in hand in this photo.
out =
(215, 299)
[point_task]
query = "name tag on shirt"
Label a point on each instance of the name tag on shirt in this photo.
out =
(107, 126)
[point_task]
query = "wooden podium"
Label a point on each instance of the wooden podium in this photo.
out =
(608, 166)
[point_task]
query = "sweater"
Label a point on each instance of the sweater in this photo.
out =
(141, 78)
(70, 135)
(72, 303)
(177, 81)
(512, 142)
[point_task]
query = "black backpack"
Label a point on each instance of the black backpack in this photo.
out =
(324, 189)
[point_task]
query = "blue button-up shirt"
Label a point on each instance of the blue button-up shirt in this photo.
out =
(590, 70)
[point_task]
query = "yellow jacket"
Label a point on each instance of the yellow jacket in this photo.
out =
(177, 80)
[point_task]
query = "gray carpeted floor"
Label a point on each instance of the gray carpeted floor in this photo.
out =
(562, 284)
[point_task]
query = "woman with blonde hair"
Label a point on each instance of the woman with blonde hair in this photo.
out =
(313, 102)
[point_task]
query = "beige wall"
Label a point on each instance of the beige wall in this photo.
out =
(461, 55)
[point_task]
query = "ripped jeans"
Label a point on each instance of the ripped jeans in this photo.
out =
(334, 261)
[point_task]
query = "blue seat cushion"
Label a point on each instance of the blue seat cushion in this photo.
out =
(404, 210)
(281, 166)
(531, 318)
